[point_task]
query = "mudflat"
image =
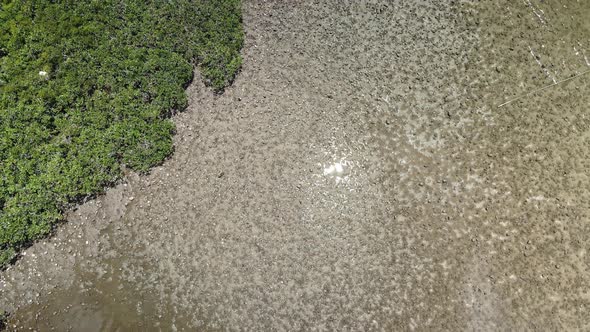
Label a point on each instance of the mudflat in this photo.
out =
(390, 165)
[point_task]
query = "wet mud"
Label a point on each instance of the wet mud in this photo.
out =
(377, 165)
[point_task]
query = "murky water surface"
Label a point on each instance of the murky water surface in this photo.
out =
(376, 166)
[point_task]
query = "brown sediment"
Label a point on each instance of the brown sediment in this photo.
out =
(358, 175)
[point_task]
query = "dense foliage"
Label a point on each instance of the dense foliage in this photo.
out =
(87, 87)
(3, 318)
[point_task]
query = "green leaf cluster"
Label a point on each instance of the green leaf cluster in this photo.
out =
(87, 87)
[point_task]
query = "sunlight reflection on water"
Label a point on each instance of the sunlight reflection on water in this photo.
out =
(340, 171)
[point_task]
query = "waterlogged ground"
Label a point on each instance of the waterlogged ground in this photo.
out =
(385, 165)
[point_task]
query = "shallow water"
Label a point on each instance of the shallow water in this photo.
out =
(376, 166)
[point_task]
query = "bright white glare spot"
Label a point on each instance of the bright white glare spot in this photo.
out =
(338, 172)
(334, 169)
(42, 73)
